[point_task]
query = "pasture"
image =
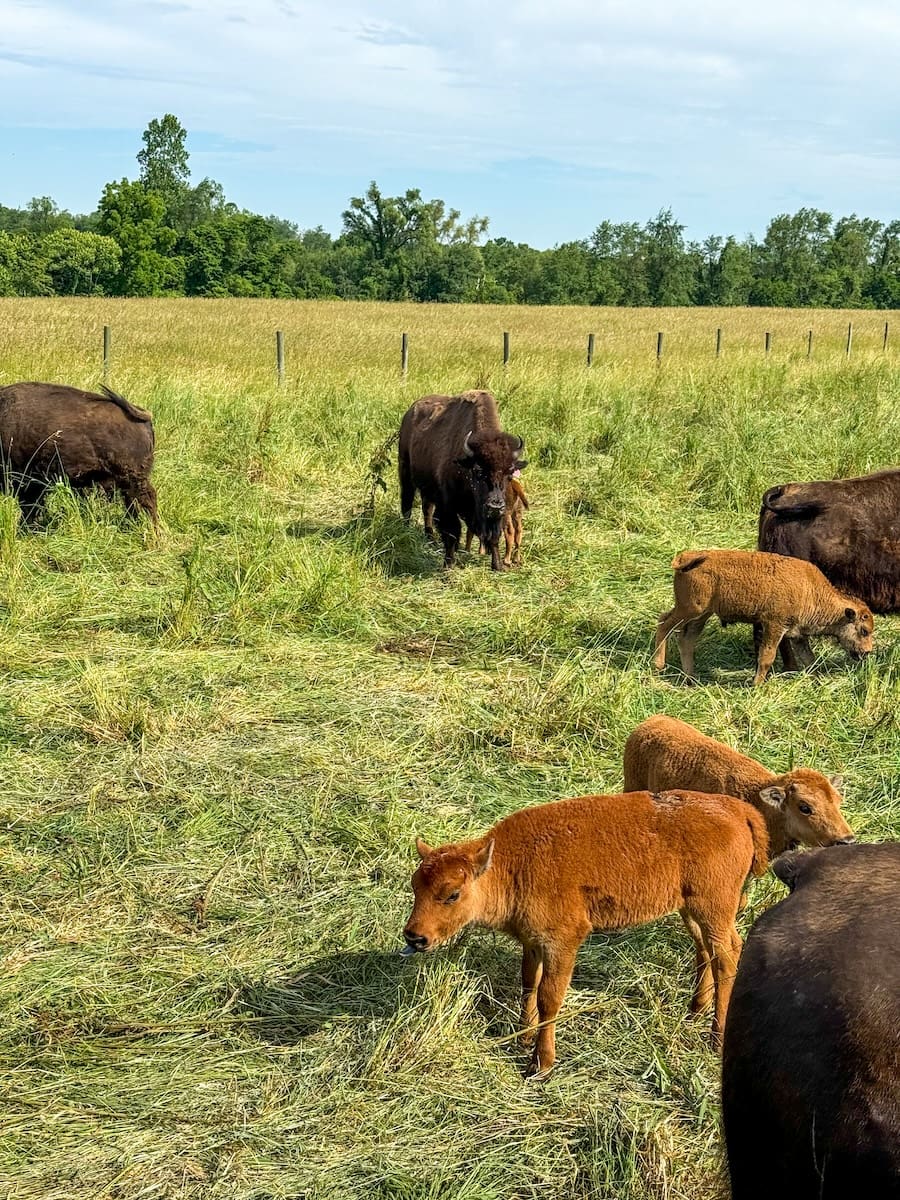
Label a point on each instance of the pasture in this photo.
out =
(219, 744)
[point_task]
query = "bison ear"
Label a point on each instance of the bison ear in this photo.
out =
(836, 781)
(483, 858)
(850, 614)
(423, 848)
(786, 866)
(774, 796)
(521, 464)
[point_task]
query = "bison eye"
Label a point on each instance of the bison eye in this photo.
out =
(452, 898)
(806, 809)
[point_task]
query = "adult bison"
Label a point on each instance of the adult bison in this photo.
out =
(811, 1062)
(454, 453)
(849, 528)
(49, 432)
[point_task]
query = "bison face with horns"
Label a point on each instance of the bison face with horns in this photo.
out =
(491, 460)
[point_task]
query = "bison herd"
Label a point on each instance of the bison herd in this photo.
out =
(811, 1044)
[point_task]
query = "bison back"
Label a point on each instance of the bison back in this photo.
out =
(811, 1060)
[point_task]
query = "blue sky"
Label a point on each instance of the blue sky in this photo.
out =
(546, 117)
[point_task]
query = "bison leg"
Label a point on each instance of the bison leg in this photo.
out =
(768, 648)
(796, 653)
(141, 498)
(451, 528)
(667, 623)
(559, 962)
(31, 496)
(496, 564)
(688, 636)
(428, 520)
(407, 487)
(704, 986)
(532, 969)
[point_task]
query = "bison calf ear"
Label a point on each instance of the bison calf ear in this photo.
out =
(774, 796)
(483, 858)
(786, 866)
(836, 781)
(423, 848)
(850, 614)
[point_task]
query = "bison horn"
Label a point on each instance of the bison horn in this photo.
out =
(521, 442)
(467, 449)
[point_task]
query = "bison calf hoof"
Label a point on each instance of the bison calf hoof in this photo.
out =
(537, 1072)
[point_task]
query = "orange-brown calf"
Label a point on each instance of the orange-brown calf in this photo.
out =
(787, 597)
(549, 875)
(799, 807)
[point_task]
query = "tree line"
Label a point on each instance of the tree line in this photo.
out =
(161, 235)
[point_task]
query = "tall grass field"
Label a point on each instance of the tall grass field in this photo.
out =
(220, 741)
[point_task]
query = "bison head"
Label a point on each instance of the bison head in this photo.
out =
(447, 892)
(855, 631)
(491, 458)
(810, 804)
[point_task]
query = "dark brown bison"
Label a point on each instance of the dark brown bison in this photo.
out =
(51, 432)
(454, 453)
(811, 1061)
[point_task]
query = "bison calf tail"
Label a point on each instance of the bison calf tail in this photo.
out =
(687, 560)
(760, 835)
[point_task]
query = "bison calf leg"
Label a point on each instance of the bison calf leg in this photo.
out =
(704, 985)
(688, 636)
(768, 648)
(667, 623)
(532, 969)
(559, 963)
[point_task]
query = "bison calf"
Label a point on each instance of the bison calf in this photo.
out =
(784, 596)
(799, 807)
(811, 1061)
(549, 875)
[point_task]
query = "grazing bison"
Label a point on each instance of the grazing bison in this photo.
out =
(784, 596)
(850, 529)
(811, 1061)
(52, 432)
(454, 453)
(549, 875)
(800, 807)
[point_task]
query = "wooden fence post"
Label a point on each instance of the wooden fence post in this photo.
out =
(404, 353)
(849, 338)
(884, 343)
(718, 342)
(505, 349)
(590, 356)
(279, 355)
(768, 341)
(107, 343)
(659, 347)
(809, 345)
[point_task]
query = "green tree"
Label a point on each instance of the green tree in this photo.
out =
(164, 159)
(133, 216)
(80, 263)
(670, 269)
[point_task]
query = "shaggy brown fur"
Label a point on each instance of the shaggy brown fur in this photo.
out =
(811, 1062)
(800, 807)
(453, 452)
(49, 432)
(783, 595)
(549, 875)
(850, 529)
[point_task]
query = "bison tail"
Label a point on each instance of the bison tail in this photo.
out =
(687, 560)
(759, 864)
(130, 410)
(791, 505)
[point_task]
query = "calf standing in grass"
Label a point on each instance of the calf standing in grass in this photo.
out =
(811, 1062)
(549, 875)
(786, 597)
(801, 807)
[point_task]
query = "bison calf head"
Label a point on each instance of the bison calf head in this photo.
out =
(811, 806)
(447, 892)
(492, 459)
(855, 632)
